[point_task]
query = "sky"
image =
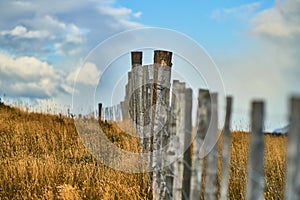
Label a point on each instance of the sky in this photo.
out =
(254, 44)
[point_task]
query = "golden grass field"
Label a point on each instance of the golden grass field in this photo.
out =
(42, 157)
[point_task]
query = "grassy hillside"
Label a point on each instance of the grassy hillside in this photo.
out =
(41, 156)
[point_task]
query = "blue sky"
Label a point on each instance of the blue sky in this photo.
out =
(253, 43)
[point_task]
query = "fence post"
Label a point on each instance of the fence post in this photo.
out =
(293, 163)
(117, 112)
(172, 147)
(144, 98)
(147, 109)
(187, 144)
(162, 76)
(103, 114)
(180, 135)
(255, 186)
(126, 107)
(211, 186)
(202, 123)
(131, 101)
(111, 113)
(99, 110)
(226, 150)
(122, 111)
(106, 114)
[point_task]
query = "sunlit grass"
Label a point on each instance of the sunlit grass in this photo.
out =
(42, 157)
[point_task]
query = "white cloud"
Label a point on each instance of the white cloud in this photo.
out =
(89, 74)
(268, 67)
(280, 21)
(22, 32)
(137, 14)
(278, 29)
(120, 17)
(251, 7)
(77, 26)
(116, 12)
(37, 33)
(242, 12)
(29, 77)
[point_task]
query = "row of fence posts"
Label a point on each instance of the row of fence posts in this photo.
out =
(177, 160)
(111, 113)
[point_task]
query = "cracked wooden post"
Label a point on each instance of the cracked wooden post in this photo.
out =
(202, 124)
(226, 151)
(293, 152)
(162, 108)
(161, 88)
(211, 184)
(255, 183)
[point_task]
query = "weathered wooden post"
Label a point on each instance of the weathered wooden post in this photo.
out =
(122, 111)
(293, 163)
(103, 114)
(99, 110)
(226, 150)
(144, 107)
(211, 186)
(161, 88)
(130, 96)
(137, 70)
(255, 186)
(136, 62)
(148, 109)
(126, 108)
(172, 147)
(187, 144)
(106, 114)
(116, 112)
(180, 136)
(202, 124)
(111, 113)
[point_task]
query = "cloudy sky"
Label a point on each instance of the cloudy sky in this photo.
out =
(255, 45)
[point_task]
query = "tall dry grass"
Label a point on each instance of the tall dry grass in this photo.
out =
(42, 157)
(275, 158)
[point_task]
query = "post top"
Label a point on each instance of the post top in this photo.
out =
(136, 58)
(163, 58)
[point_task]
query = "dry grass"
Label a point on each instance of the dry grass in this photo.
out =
(275, 158)
(42, 157)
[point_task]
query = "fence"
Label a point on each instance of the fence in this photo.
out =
(162, 116)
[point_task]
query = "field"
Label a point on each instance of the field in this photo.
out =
(42, 157)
